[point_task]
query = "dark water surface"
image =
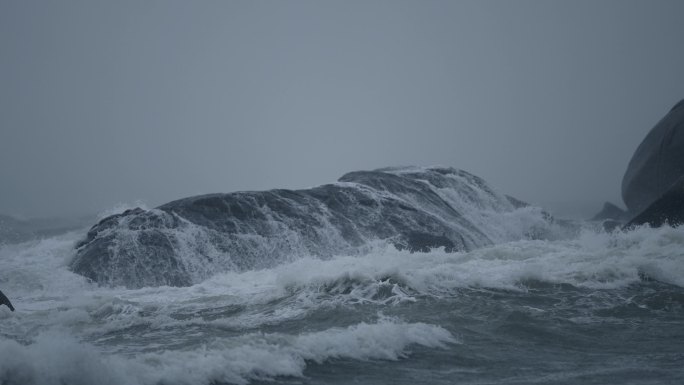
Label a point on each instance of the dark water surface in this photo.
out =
(548, 333)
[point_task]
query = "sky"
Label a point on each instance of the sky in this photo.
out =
(110, 102)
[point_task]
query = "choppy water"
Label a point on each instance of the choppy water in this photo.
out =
(601, 308)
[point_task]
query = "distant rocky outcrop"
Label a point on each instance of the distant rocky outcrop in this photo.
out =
(611, 217)
(611, 212)
(188, 240)
(657, 163)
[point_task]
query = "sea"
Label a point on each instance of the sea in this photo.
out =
(592, 308)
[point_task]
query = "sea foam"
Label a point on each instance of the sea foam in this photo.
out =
(61, 359)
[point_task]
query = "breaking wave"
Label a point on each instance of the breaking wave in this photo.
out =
(279, 321)
(187, 241)
(60, 359)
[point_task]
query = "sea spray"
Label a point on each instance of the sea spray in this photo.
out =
(600, 306)
(185, 242)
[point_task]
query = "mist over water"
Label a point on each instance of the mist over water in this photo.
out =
(105, 102)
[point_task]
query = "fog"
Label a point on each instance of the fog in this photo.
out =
(110, 102)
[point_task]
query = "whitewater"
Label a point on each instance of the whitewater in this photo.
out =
(596, 307)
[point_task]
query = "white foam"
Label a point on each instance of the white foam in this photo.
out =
(388, 276)
(58, 359)
(258, 356)
(65, 309)
(596, 260)
(48, 295)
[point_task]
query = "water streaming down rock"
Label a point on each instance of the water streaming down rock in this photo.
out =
(186, 241)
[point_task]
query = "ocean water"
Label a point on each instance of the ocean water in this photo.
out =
(596, 308)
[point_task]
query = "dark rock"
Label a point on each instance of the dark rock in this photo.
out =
(5, 301)
(657, 163)
(188, 240)
(668, 209)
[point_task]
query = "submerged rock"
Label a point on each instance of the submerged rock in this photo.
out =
(185, 241)
(657, 163)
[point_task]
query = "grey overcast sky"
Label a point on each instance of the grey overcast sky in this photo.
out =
(109, 102)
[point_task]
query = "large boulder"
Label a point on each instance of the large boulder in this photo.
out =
(657, 163)
(666, 210)
(186, 241)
